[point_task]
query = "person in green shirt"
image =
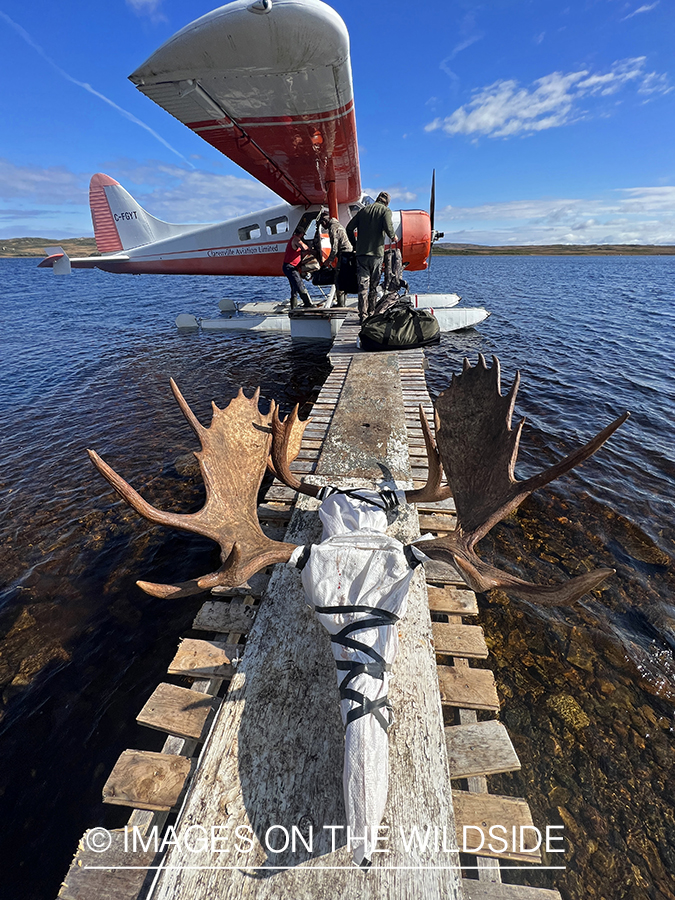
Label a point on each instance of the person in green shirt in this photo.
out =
(367, 231)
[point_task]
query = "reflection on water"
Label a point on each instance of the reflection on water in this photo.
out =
(587, 691)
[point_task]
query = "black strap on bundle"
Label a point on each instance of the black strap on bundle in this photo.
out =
(387, 495)
(303, 559)
(376, 669)
(411, 557)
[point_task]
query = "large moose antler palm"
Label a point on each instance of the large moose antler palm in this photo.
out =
(478, 450)
(235, 451)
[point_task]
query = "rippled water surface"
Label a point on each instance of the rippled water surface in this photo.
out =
(587, 692)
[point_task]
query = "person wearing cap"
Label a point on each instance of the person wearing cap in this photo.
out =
(339, 244)
(291, 268)
(367, 231)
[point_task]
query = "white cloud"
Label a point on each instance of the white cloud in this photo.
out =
(504, 109)
(179, 195)
(640, 215)
(642, 9)
(44, 198)
(469, 36)
(396, 193)
(147, 8)
(52, 185)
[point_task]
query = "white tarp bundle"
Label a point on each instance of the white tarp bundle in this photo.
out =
(357, 581)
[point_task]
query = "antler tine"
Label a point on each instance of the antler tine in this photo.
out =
(233, 571)
(192, 419)
(434, 489)
(281, 434)
(187, 522)
(574, 459)
(482, 577)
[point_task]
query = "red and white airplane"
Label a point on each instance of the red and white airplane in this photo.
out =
(269, 84)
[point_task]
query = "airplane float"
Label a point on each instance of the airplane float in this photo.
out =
(269, 84)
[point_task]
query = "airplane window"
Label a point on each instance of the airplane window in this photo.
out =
(308, 224)
(277, 226)
(354, 208)
(248, 232)
(367, 200)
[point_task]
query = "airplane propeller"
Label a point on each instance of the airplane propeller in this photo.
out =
(435, 235)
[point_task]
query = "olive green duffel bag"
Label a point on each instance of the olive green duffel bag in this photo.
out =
(400, 327)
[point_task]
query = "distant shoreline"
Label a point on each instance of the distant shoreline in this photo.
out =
(35, 246)
(555, 250)
(86, 246)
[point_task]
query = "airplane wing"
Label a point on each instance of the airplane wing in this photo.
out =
(269, 84)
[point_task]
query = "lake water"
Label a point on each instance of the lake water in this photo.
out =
(587, 691)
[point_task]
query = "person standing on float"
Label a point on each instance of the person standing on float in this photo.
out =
(367, 231)
(291, 268)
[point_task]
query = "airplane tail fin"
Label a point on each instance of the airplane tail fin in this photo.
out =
(120, 223)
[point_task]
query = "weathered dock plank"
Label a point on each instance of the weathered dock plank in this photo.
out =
(451, 600)
(483, 748)
(204, 658)
(481, 890)
(467, 641)
(124, 879)
(437, 523)
(466, 688)
(482, 811)
(443, 573)
(177, 710)
(146, 780)
(220, 616)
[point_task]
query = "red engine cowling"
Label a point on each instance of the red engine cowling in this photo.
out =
(415, 238)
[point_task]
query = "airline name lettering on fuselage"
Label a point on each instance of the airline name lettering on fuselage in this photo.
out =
(125, 216)
(246, 251)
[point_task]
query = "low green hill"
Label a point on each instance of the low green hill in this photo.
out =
(35, 246)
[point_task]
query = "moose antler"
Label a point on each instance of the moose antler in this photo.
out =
(479, 450)
(285, 434)
(286, 441)
(434, 489)
(235, 450)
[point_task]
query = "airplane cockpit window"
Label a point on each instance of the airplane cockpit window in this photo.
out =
(249, 232)
(367, 200)
(354, 208)
(277, 226)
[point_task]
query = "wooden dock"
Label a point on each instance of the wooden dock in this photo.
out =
(256, 742)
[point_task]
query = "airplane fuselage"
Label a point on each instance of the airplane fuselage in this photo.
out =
(254, 244)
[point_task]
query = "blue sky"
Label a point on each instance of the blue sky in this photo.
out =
(546, 122)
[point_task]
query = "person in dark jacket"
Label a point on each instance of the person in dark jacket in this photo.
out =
(367, 232)
(291, 268)
(339, 244)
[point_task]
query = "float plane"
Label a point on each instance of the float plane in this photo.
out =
(269, 84)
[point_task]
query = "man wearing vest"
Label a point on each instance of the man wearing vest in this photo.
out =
(370, 224)
(339, 244)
